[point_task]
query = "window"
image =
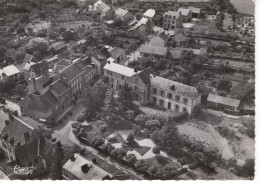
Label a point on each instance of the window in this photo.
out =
(185, 100)
(162, 93)
(177, 108)
(161, 102)
(135, 88)
(154, 100)
(177, 98)
(169, 105)
(107, 72)
(111, 73)
(172, 88)
(154, 90)
(169, 95)
(111, 79)
(184, 109)
(123, 77)
(173, 21)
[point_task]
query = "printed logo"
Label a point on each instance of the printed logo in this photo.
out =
(23, 170)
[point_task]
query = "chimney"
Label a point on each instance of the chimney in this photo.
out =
(94, 160)
(135, 70)
(108, 62)
(85, 168)
(72, 158)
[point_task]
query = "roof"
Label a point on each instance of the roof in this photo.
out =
(163, 36)
(194, 10)
(156, 50)
(42, 103)
(180, 88)
(176, 54)
(100, 5)
(116, 52)
(58, 45)
(71, 71)
(223, 100)
(172, 14)
(94, 172)
(120, 69)
(121, 12)
(59, 87)
(40, 68)
(10, 70)
(149, 13)
(184, 11)
(28, 58)
(60, 65)
(18, 126)
(143, 21)
(145, 75)
(28, 65)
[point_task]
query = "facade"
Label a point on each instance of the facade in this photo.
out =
(106, 11)
(124, 15)
(152, 89)
(159, 40)
(172, 20)
(155, 53)
(118, 54)
(187, 14)
(195, 12)
(179, 39)
(223, 103)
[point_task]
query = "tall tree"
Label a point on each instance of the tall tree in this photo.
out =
(56, 166)
(249, 167)
(125, 97)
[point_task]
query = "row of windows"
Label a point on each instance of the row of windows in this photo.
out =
(169, 21)
(169, 105)
(111, 74)
(170, 96)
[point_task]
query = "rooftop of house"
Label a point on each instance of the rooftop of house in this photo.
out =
(93, 172)
(28, 65)
(145, 75)
(171, 14)
(16, 128)
(39, 68)
(59, 87)
(100, 5)
(149, 13)
(194, 10)
(61, 65)
(179, 88)
(28, 58)
(71, 72)
(57, 45)
(120, 69)
(184, 11)
(116, 52)
(141, 22)
(223, 100)
(10, 70)
(121, 12)
(156, 50)
(42, 103)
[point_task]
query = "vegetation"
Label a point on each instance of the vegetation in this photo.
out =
(56, 166)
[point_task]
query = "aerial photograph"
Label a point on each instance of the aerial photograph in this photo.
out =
(127, 90)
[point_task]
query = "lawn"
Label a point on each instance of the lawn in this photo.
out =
(142, 150)
(121, 125)
(162, 161)
(209, 118)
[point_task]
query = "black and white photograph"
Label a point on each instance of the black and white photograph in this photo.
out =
(127, 90)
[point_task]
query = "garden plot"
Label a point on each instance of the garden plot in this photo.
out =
(210, 136)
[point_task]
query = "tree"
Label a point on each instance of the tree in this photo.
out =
(2, 51)
(56, 166)
(81, 118)
(131, 158)
(119, 153)
(182, 162)
(69, 35)
(98, 141)
(225, 85)
(118, 22)
(37, 45)
(108, 147)
(152, 125)
(249, 167)
(139, 16)
(125, 97)
(156, 150)
(93, 98)
(140, 119)
(131, 139)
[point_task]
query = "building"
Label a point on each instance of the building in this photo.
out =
(172, 20)
(155, 53)
(187, 14)
(158, 20)
(124, 15)
(180, 39)
(223, 103)
(118, 54)
(99, 58)
(149, 14)
(22, 141)
(195, 12)
(11, 72)
(152, 89)
(106, 11)
(159, 40)
(82, 168)
(57, 47)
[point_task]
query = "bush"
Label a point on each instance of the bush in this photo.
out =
(118, 153)
(152, 125)
(81, 118)
(98, 141)
(108, 148)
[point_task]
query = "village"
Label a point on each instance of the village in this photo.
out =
(127, 90)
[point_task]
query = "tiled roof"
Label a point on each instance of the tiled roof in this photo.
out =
(120, 69)
(59, 87)
(172, 14)
(180, 88)
(71, 71)
(121, 12)
(176, 54)
(18, 126)
(28, 58)
(116, 52)
(184, 11)
(223, 100)
(156, 50)
(42, 103)
(60, 65)
(149, 13)
(194, 10)
(40, 68)
(163, 36)
(58, 45)
(104, 52)
(145, 75)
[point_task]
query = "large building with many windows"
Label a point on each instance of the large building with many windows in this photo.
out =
(172, 20)
(152, 89)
